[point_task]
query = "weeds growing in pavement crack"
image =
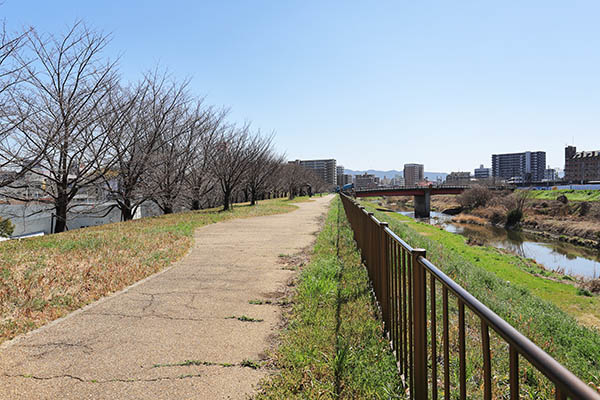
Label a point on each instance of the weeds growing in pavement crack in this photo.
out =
(245, 318)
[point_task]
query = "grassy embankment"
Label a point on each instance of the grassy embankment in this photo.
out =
(333, 347)
(544, 310)
(570, 194)
(44, 278)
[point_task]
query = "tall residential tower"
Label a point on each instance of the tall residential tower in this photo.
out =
(519, 167)
(413, 174)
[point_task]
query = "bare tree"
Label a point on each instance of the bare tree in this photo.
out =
(262, 167)
(180, 141)
(231, 158)
(148, 108)
(10, 77)
(294, 178)
(476, 196)
(67, 85)
(199, 178)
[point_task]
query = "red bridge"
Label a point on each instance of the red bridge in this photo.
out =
(421, 195)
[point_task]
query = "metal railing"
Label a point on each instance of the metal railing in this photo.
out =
(399, 276)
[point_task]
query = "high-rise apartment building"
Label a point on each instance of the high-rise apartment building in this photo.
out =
(582, 166)
(519, 167)
(413, 174)
(342, 178)
(325, 169)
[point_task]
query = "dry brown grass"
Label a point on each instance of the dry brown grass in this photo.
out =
(443, 202)
(44, 278)
(568, 227)
(469, 219)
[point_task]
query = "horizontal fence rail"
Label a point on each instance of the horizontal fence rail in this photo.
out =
(407, 287)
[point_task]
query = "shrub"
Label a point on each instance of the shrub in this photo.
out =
(563, 199)
(513, 217)
(6, 227)
(477, 196)
(584, 208)
(593, 285)
(496, 218)
(518, 200)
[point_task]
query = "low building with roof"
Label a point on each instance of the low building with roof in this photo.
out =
(581, 166)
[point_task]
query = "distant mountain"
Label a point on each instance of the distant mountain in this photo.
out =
(432, 176)
(380, 174)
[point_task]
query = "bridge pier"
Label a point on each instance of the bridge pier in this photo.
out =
(422, 204)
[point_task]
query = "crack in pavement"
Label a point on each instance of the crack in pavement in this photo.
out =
(47, 378)
(150, 302)
(162, 316)
(174, 292)
(47, 348)
(189, 303)
(159, 316)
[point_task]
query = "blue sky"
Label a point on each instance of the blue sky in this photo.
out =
(372, 84)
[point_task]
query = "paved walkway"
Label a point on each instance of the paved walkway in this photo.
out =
(134, 345)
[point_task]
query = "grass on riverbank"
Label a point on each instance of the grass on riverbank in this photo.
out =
(571, 194)
(333, 347)
(47, 277)
(541, 309)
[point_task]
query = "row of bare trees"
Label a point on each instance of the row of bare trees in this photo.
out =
(68, 120)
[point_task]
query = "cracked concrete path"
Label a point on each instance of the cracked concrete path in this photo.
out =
(171, 336)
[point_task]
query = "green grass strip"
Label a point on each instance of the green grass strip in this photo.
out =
(333, 347)
(571, 194)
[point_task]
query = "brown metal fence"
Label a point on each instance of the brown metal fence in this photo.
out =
(401, 277)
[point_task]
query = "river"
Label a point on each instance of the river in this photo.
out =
(553, 254)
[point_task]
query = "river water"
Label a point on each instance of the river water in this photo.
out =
(554, 255)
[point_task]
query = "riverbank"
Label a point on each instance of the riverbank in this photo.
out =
(45, 278)
(551, 313)
(575, 222)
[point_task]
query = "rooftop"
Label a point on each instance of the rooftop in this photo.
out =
(586, 154)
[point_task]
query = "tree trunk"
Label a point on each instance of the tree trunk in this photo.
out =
(226, 200)
(61, 215)
(126, 211)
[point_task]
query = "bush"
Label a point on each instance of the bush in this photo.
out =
(477, 196)
(584, 208)
(513, 217)
(496, 218)
(563, 199)
(583, 292)
(6, 227)
(593, 286)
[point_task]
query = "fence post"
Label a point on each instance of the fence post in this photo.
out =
(420, 325)
(384, 271)
(371, 245)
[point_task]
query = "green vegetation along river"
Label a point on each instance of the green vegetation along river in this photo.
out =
(552, 254)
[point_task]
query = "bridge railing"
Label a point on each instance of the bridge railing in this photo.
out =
(407, 287)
